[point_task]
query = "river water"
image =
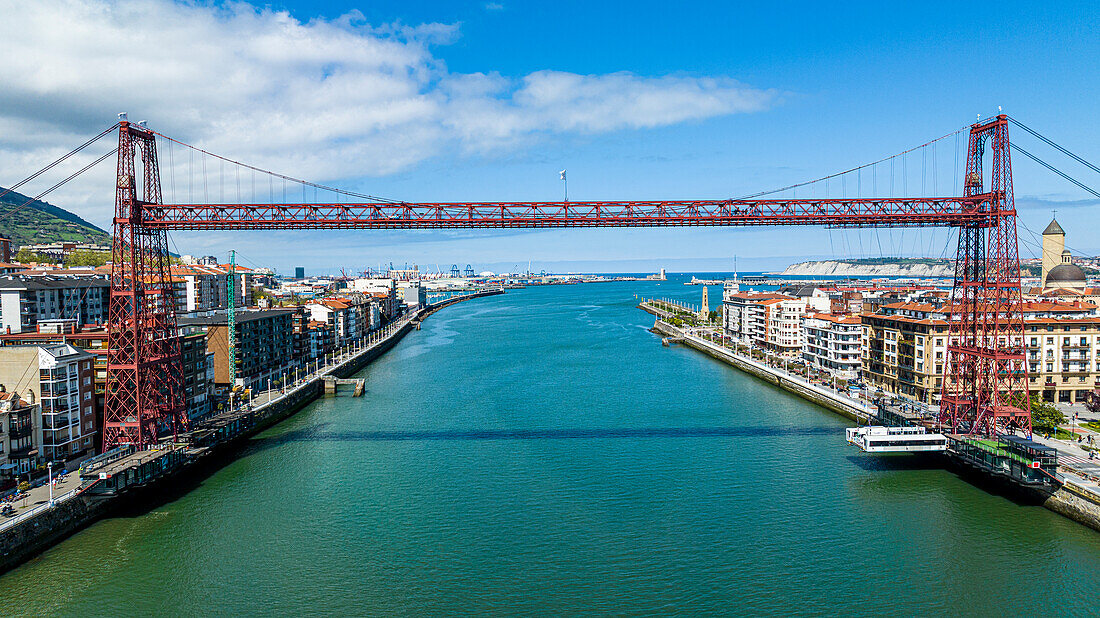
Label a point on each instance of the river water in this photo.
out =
(541, 452)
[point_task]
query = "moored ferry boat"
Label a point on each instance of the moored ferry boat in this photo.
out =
(878, 439)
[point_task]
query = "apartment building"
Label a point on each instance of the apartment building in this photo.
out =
(832, 343)
(383, 291)
(1062, 342)
(743, 317)
(351, 317)
(413, 294)
(59, 378)
(904, 349)
(772, 322)
(205, 287)
(198, 375)
(264, 342)
(16, 438)
(26, 299)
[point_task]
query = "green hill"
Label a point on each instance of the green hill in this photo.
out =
(42, 222)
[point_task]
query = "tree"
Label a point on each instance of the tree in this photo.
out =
(87, 258)
(1044, 415)
(26, 257)
(1092, 402)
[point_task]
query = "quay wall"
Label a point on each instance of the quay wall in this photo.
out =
(28, 539)
(25, 541)
(1076, 502)
(822, 397)
(1072, 500)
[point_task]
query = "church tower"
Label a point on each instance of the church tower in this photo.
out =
(1054, 245)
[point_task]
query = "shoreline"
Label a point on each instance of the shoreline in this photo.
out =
(29, 538)
(1074, 499)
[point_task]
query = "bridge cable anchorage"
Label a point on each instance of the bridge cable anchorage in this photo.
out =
(87, 167)
(1051, 143)
(284, 177)
(63, 158)
(854, 169)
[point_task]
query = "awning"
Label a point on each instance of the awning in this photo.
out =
(7, 466)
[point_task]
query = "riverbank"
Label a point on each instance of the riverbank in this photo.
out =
(1077, 497)
(217, 439)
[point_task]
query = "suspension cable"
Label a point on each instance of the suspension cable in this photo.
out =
(1054, 169)
(1051, 143)
(278, 175)
(74, 175)
(51, 165)
(808, 182)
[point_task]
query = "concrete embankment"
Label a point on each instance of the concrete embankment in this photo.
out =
(1075, 498)
(845, 406)
(28, 538)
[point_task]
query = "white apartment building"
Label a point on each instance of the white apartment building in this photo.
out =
(784, 326)
(204, 287)
(59, 378)
(743, 317)
(833, 343)
(765, 320)
(413, 294)
(27, 299)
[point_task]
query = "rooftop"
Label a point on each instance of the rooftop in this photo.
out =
(221, 316)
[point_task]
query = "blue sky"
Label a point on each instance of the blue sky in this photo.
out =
(804, 89)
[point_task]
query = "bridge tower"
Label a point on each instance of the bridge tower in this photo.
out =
(144, 387)
(985, 384)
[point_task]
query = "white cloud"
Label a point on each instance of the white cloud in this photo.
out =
(323, 99)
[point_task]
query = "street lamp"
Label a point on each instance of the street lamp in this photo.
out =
(49, 472)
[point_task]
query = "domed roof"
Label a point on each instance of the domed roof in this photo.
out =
(1066, 273)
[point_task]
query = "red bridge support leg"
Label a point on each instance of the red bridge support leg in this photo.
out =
(985, 381)
(143, 395)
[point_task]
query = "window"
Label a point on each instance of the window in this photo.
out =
(1034, 341)
(1065, 340)
(87, 395)
(1050, 339)
(1050, 367)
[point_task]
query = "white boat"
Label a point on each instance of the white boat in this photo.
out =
(878, 439)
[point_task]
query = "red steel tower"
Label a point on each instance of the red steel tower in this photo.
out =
(143, 394)
(985, 389)
(985, 385)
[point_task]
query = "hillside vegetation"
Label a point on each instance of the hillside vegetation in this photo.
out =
(42, 222)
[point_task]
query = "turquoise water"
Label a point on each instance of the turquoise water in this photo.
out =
(542, 453)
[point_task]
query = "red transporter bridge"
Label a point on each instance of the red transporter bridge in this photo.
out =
(985, 386)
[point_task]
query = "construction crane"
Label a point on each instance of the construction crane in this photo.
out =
(231, 321)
